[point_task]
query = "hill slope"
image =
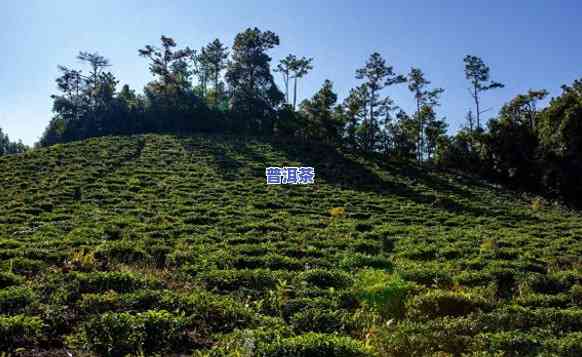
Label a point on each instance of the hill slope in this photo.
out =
(158, 244)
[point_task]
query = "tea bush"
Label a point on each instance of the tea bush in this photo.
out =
(107, 242)
(117, 281)
(119, 334)
(232, 280)
(440, 303)
(384, 292)
(19, 330)
(9, 279)
(327, 279)
(317, 320)
(315, 345)
(15, 299)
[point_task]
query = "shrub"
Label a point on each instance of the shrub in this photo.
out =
(513, 343)
(121, 251)
(162, 330)
(367, 246)
(18, 330)
(388, 244)
(82, 260)
(159, 253)
(519, 318)
(472, 278)
(14, 299)
(382, 291)
(119, 334)
(428, 276)
(232, 280)
(358, 260)
(337, 212)
(576, 294)
(9, 279)
(543, 284)
(428, 338)
(293, 306)
(439, 303)
(99, 303)
(327, 279)
(25, 266)
(209, 312)
(569, 345)
(317, 320)
(113, 334)
(314, 345)
(117, 281)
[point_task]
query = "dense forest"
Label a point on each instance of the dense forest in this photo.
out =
(217, 89)
(10, 147)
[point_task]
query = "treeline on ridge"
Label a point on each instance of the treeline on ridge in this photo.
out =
(217, 89)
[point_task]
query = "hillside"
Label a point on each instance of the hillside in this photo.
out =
(158, 244)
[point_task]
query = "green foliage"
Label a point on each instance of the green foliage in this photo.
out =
(313, 345)
(19, 330)
(232, 280)
(327, 279)
(410, 338)
(15, 299)
(118, 334)
(117, 281)
(8, 147)
(358, 260)
(181, 234)
(439, 303)
(316, 320)
(121, 251)
(384, 292)
(9, 279)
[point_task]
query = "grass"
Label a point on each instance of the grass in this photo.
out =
(180, 238)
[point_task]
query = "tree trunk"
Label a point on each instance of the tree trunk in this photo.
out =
(476, 96)
(419, 142)
(295, 93)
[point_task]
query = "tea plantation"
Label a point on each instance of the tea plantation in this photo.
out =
(164, 245)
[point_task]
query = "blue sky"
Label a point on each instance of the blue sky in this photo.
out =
(528, 44)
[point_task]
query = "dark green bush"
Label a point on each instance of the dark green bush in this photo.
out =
(99, 303)
(159, 253)
(439, 303)
(576, 295)
(117, 281)
(562, 300)
(512, 343)
(367, 247)
(473, 278)
(412, 338)
(569, 345)
(119, 334)
(545, 284)
(121, 251)
(209, 312)
(315, 345)
(317, 320)
(428, 276)
(232, 280)
(327, 279)
(14, 299)
(358, 260)
(520, 318)
(385, 293)
(24, 266)
(293, 306)
(9, 279)
(19, 330)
